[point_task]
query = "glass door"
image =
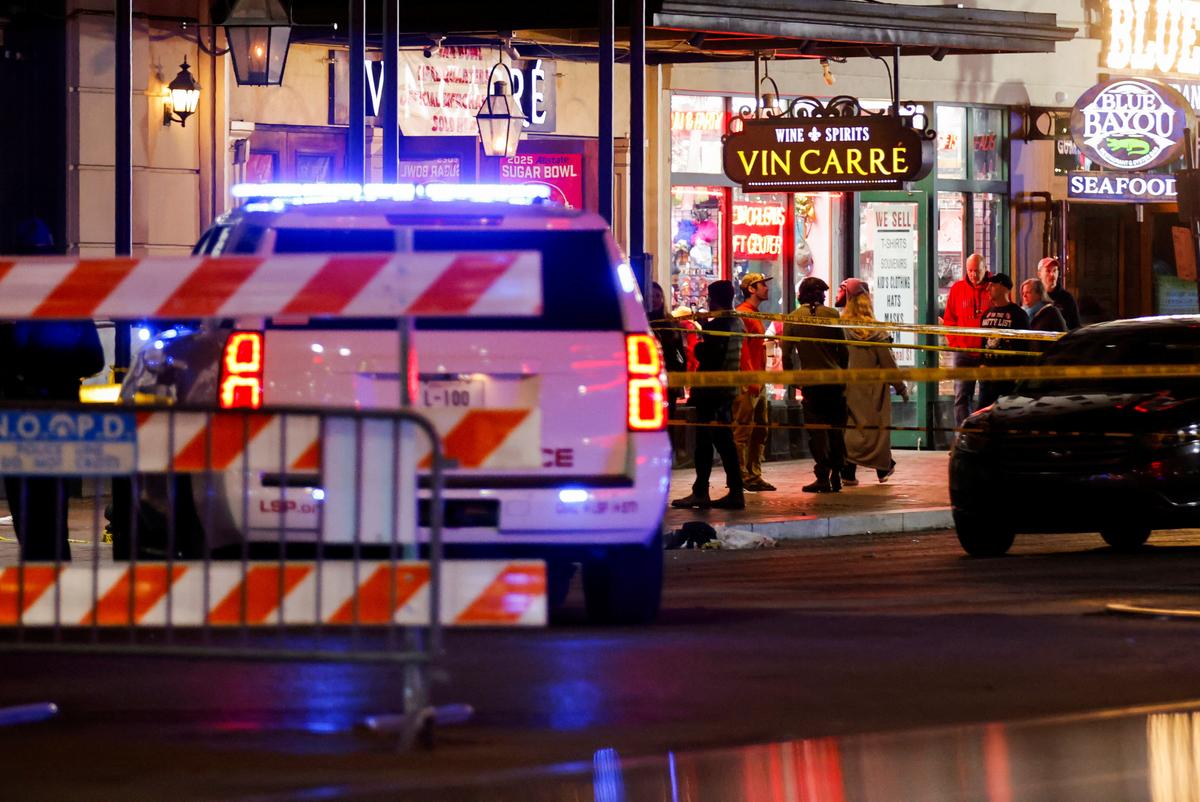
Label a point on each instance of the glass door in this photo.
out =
(893, 258)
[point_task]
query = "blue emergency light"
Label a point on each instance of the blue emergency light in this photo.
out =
(296, 194)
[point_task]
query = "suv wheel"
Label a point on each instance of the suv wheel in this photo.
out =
(1126, 538)
(980, 538)
(624, 585)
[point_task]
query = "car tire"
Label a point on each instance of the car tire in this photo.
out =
(1126, 538)
(558, 582)
(624, 584)
(980, 538)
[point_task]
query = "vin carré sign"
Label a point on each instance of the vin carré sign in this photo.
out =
(826, 153)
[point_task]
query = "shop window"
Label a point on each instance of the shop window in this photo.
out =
(697, 215)
(889, 258)
(986, 142)
(758, 241)
(987, 217)
(697, 124)
(951, 152)
(951, 242)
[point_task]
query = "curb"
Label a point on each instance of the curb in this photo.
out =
(873, 523)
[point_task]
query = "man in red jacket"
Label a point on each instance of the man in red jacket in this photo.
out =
(965, 307)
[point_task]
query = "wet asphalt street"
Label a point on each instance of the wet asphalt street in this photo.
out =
(836, 637)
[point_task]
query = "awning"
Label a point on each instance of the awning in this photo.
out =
(711, 30)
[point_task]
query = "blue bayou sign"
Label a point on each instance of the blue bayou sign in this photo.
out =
(1131, 124)
(1127, 187)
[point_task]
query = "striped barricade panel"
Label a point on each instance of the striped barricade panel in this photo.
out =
(332, 593)
(195, 442)
(501, 283)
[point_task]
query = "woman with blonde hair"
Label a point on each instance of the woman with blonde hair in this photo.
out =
(868, 436)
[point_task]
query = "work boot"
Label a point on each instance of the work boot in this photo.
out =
(759, 485)
(884, 474)
(696, 500)
(734, 500)
(848, 474)
(822, 486)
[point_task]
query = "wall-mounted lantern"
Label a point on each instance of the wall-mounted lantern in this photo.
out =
(258, 32)
(500, 118)
(184, 97)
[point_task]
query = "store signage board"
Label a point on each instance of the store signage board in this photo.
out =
(1161, 36)
(1131, 123)
(440, 95)
(758, 230)
(1121, 187)
(562, 172)
(828, 153)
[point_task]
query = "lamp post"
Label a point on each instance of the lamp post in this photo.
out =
(185, 96)
(258, 32)
(500, 119)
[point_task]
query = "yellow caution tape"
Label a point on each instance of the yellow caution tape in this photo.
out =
(916, 328)
(738, 378)
(856, 343)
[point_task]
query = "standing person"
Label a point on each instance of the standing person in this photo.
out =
(1003, 314)
(670, 339)
(750, 418)
(1043, 315)
(869, 406)
(965, 306)
(43, 361)
(823, 404)
(1050, 273)
(720, 349)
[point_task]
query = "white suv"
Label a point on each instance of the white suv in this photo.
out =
(600, 493)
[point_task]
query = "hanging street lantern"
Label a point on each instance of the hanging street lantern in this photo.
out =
(258, 32)
(185, 96)
(500, 118)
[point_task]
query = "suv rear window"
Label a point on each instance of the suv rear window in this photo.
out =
(579, 286)
(335, 240)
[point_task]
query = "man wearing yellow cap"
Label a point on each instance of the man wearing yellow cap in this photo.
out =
(750, 406)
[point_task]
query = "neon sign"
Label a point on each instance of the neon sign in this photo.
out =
(833, 153)
(1131, 123)
(1152, 35)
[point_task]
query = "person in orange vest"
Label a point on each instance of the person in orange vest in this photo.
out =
(750, 412)
(965, 307)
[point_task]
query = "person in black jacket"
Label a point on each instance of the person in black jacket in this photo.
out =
(44, 361)
(1049, 272)
(1003, 314)
(719, 350)
(1043, 315)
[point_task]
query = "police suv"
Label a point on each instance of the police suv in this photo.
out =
(597, 499)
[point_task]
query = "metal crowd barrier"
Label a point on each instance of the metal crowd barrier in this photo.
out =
(274, 533)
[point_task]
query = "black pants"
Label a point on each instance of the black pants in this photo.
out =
(39, 510)
(989, 392)
(720, 437)
(826, 404)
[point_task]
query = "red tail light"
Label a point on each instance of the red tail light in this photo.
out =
(647, 403)
(242, 371)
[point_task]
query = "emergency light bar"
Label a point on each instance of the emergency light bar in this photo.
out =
(523, 194)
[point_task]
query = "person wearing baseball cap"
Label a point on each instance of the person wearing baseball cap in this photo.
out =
(750, 419)
(1003, 314)
(1050, 272)
(822, 404)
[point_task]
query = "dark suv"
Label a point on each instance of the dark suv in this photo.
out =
(1116, 456)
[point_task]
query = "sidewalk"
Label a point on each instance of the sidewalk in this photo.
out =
(915, 497)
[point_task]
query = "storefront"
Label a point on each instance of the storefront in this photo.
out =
(718, 231)
(1128, 251)
(438, 100)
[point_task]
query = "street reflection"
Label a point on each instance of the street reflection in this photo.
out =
(1123, 758)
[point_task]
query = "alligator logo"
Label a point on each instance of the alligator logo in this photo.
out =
(1132, 146)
